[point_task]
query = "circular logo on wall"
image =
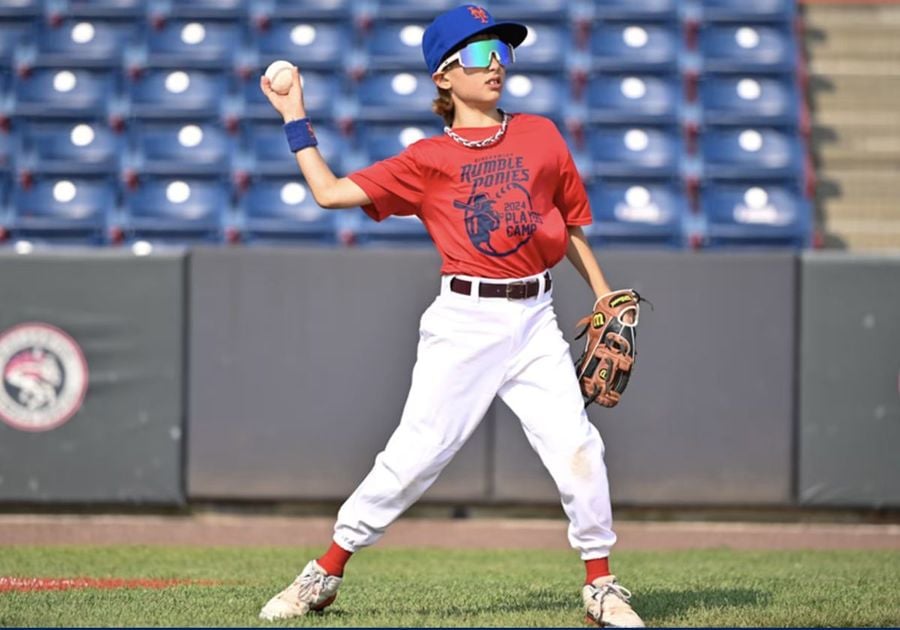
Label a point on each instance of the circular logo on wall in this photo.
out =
(43, 377)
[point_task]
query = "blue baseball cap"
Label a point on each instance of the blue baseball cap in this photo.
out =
(453, 27)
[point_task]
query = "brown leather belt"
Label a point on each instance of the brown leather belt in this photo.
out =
(518, 290)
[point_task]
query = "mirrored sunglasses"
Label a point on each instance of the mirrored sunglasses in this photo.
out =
(478, 55)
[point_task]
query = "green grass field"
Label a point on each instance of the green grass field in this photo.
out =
(395, 587)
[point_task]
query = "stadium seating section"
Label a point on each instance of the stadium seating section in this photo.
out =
(142, 120)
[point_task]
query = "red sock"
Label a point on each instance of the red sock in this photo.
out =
(598, 567)
(334, 560)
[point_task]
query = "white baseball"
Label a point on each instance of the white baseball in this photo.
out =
(279, 75)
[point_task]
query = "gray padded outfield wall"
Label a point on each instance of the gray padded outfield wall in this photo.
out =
(707, 418)
(301, 361)
(849, 397)
(91, 377)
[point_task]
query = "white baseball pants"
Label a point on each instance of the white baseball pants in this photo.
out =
(470, 350)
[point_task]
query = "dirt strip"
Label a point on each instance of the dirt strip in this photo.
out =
(31, 585)
(476, 533)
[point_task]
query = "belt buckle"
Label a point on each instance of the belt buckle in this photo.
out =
(517, 283)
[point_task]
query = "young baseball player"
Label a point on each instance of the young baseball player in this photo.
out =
(503, 202)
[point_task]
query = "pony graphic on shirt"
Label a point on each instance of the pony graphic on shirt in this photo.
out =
(481, 219)
(500, 222)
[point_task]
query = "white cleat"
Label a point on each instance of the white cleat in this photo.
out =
(606, 604)
(312, 590)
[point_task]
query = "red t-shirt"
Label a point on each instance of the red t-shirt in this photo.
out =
(496, 212)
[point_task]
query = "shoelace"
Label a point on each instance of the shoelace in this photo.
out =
(621, 592)
(311, 585)
(612, 587)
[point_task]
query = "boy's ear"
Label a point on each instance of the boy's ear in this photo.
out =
(440, 80)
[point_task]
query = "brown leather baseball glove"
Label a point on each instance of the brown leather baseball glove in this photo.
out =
(605, 366)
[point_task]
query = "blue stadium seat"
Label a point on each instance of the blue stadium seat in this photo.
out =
(18, 9)
(749, 100)
(80, 44)
(384, 141)
(270, 155)
(395, 45)
(284, 211)
(743, 11)
(747, 48)
(637, 10)
(546, 48)
(635, 151)
(543, 94)
(637, 213)
(4, 197)
(634, 99)
(181, 148)
(755, 214)
(13, 33)
(177, 94)
(62, 209)
(410, 9)
(390, 96)
(6, 151)
(750, 153)
(102, 8)
(557, 10)
(74, 148)
(193, 44)
(320, 92)
(308, 9)
(624, 47)
(308, 44)
(57, 92)
(394, 231)
(176, 210)
(5, 81)
(5, 219)
(201, 9)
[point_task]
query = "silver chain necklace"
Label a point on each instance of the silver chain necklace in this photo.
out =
(479, 144)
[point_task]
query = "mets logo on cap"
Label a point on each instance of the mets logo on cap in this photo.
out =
(478, 13)
(43, 377)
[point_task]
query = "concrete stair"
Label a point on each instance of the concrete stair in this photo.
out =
(854, 66)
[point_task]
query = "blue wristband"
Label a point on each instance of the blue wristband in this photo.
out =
(300, 134)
